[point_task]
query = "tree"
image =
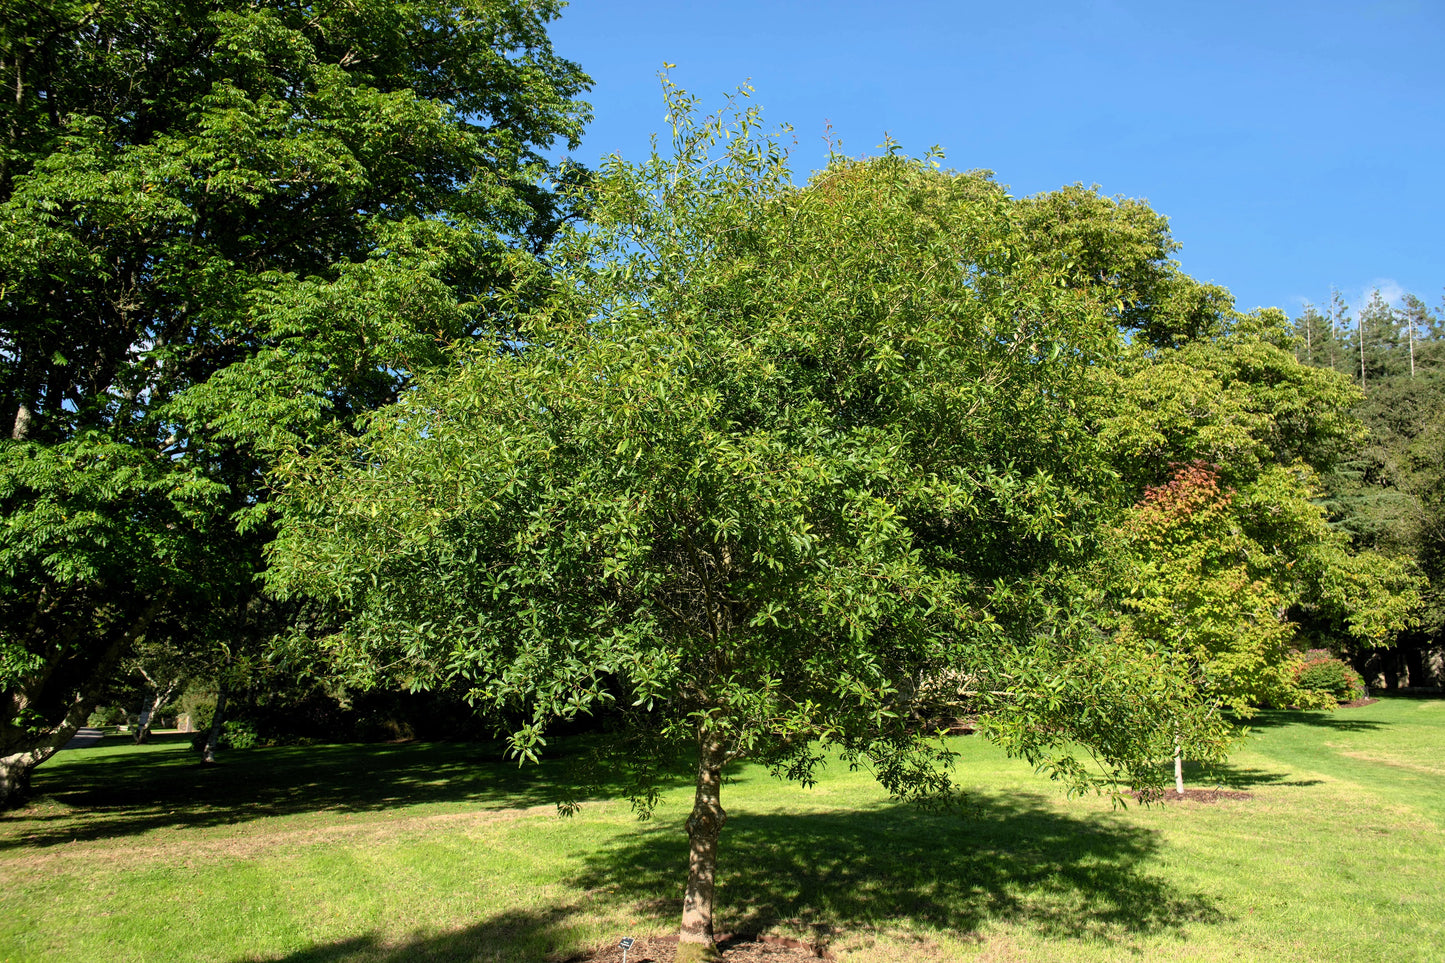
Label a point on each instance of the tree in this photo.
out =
(777, 474)
(1315, 343)
(226, 227)
(1195, 584)
(1384, 493)
(1229, 558)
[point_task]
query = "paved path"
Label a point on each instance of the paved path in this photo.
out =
(84, 738)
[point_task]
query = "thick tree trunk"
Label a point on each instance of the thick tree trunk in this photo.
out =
(16, 767)
(1416, 670)
(22, 750)
(21, 429)
(208, 755)
(15, 779)
(696, 942)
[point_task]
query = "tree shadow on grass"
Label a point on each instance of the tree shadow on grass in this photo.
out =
(1279, 718)
(842, 875)
(1224, 775)
(105, 795)
(513, 937)
(845, 876)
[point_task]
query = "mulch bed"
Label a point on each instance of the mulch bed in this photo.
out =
(736, 948)
(1192, 795)
(1358, 702)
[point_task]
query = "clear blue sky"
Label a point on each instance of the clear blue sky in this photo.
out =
(1294, 146)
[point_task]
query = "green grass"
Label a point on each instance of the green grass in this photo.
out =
(439, 852)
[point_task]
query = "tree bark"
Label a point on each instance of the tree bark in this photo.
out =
(143, 729)
(1178, 766)
(696, 942)
(15, 768)
(25, 751)
(208, 755)
(21, 428)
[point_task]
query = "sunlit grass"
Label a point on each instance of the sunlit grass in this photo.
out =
(442, 852)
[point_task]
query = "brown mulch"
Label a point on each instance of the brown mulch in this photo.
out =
(1358, 702)
(1192, 795)
(736, 948)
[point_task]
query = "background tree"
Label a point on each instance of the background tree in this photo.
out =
(227, 227)
(1385, 491)
(1315, 343)
(1229, 560)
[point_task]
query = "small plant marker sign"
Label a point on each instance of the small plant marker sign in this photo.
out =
(626, 945)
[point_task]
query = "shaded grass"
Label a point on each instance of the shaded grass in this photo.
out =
(442, 852)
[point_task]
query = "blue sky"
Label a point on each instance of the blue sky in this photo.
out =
(1294, 146)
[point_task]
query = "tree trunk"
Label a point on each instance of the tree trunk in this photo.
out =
(1178, 766)
(16, 767)
(148, 717)
(22, 751)
(208, 755)
(1416, 672)
(696, 942)
(21, 429)
(15, 779)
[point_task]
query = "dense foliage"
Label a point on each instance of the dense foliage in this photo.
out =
(774, 471)
(227, 227)
(1388, 494)
(779, 472)
(1321, 672)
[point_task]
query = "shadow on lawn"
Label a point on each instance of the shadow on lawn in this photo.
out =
(843, 876)
(1223, 775)
(1009, 858)
(116, 794)
(1337, 720)
(522, 937)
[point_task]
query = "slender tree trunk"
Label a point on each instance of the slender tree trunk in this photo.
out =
(696, 942)
(1410, 326)
(1178, 765)
(1361, 325)
(208, 755)
(143, 730)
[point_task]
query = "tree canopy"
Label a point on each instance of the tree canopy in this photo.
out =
(777, 472)
(227, 227)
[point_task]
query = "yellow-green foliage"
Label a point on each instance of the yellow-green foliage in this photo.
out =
(1228, 546)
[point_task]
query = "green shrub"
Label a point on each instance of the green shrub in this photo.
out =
(235, 734)
(239, 734)
(1324, 673)
(200, 705)
(105, 716)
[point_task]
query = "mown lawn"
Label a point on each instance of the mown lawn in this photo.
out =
(439, 852)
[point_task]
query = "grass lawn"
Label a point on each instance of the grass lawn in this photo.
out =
(438, 852)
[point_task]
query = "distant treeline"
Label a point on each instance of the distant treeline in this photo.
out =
(1390, 495)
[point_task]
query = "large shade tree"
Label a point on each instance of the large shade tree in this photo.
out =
(227, 227)
(777, 473)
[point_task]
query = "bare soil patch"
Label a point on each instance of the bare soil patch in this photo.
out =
(1192, 795)
(736, 948)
